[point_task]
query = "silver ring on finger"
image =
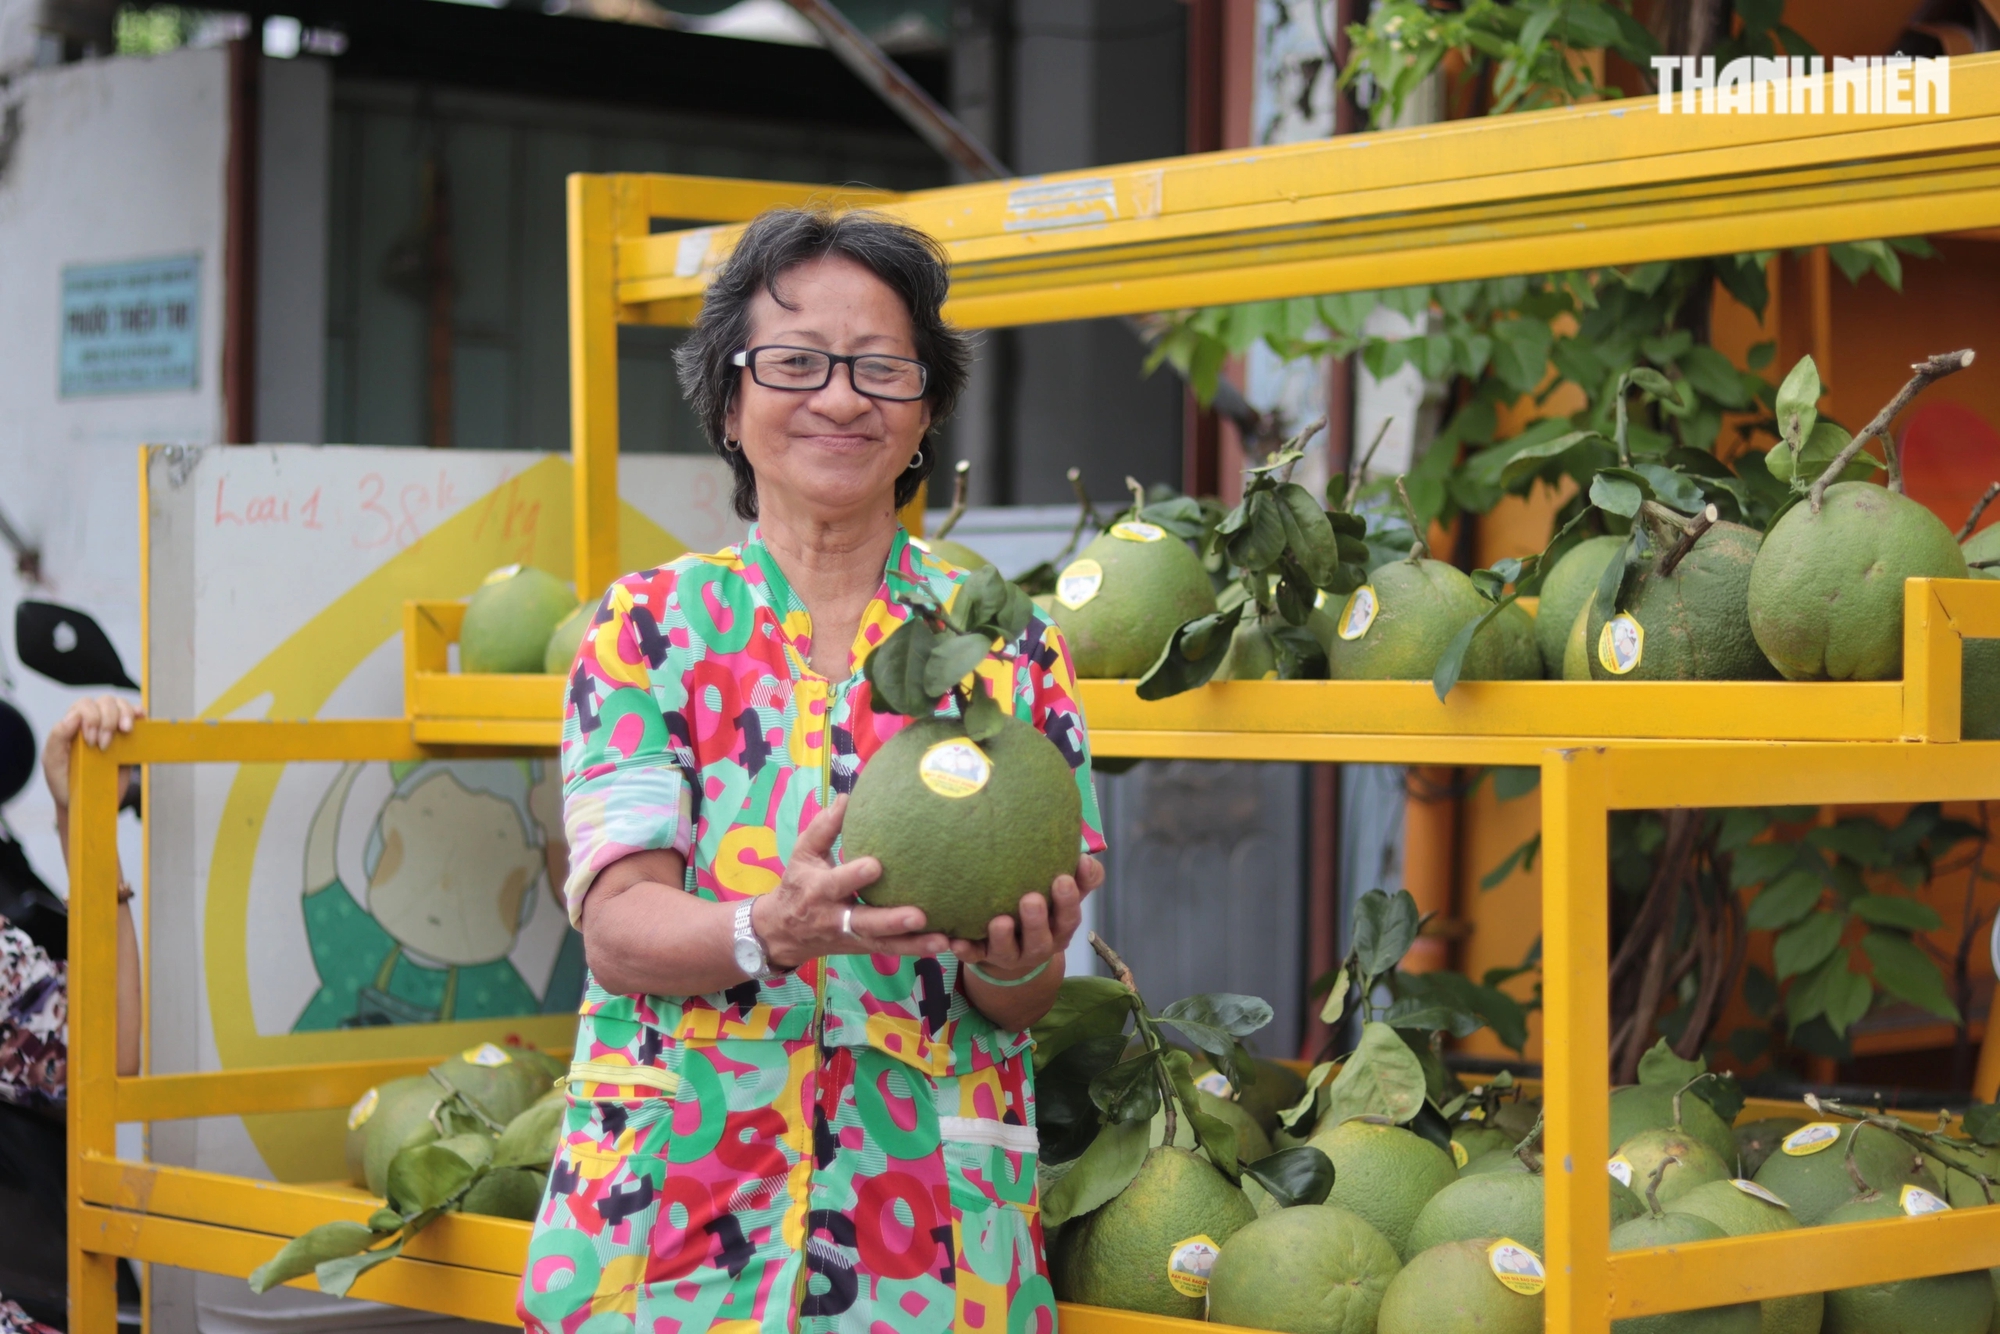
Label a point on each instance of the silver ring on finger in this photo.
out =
(847, 921)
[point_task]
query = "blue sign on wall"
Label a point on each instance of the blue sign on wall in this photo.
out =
(132, 328)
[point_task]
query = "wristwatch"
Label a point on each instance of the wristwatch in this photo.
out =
(750, 955)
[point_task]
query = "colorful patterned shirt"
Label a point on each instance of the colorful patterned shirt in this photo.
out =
(34, 1022)
(847, 1147)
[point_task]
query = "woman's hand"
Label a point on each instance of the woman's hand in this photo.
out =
(813, 911)
(98, 720)
(1044, 931)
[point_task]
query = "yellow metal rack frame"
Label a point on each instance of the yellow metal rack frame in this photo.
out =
(1614, 183)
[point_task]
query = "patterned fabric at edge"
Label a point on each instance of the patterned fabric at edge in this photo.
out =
(848, 1147)
(34, 1022)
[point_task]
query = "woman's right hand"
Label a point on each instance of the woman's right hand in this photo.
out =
(99, 719)
(807, 913)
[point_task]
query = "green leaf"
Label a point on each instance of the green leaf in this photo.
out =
(1826, 441)
(307, 1251)
(1760, 862)
(1982, 1123)
(1741, 824)
(1222, 1048)
(1347, 311)
(1067, 1118)
(1903, 969)
(1785, 900)
(337, 1276)
(1336, 999)
(1903, 914)
(1518, 464)
(1381, 1078)
(895, 670)
(983, 717)
(952, 660)
(1238, 1016)
(1085, 1007)
(1301, 1175)
(1262, 537)
(987, 601)
(1521, 858)
(1129, 1090)
(1660, 1066)
(429, 1176)
(1420, 1016)
(1308, 534)
(1801, 948)
(530, 1139)
(1712, 374)
(1452, 661)
(1860, 841)
(1488, 1005)
(1515, 780)
(1105, 1169)
(1384, 927)
(1216, 1136)
(1192, 655)
(1615, 495)
(1521, 352)
(1672, 488)
(1797, 406)
(1651, 381)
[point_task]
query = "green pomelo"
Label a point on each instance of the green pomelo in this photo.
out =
(1653, 1230)
(1576, 648)
(1310, 1269)
(1979, 690)
(1942, 1304)
(1498, 1204)
(532, 1138)
(1638, 1107)
(1251, 1141)
(1983, 545)
(1516, 1119)
(1568, 589)
(509, 619)
(1758, 1140)
(1118, 1255)
(964, 860)
(400, 1117)
(1419, 606)
(1696, 619)
(1959, 1165)
(1493, 1160)
(1739, 1213)
(1826, 593)
(1451, 1289)
(1385, 1174)
(954, 553)
(1477, 1139)
(1276, 1089)
(1252, 656)
(566, 639)
(1686, 1160)
(1147, 591)
(500, 1081)
(1520, 658)
(1816, 1184)
(506, 1192)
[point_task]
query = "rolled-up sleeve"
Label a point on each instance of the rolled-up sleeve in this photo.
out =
(627, 783)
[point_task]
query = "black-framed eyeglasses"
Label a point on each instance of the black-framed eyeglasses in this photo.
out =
(803, 369)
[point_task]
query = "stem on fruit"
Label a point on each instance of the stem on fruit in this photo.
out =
(1356, 469)
(960, 473)
(1418, 548)
(1653, 1184)
(1927, 372)
(1119, 968)
(1691, 535)
(1979, 510)
(1138, 494)
(1086, 513)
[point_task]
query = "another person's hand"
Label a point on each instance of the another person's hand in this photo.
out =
(813, 911)
(98, 720)
(1046, 926)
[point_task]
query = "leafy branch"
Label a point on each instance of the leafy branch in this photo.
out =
(937, 651)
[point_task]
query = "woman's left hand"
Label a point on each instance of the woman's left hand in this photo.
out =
(1046, 924)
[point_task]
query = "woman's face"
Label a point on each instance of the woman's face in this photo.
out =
(832, 451)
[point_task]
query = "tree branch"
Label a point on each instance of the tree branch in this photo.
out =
(1927, 372)
(1689, 536)
(1979, 510)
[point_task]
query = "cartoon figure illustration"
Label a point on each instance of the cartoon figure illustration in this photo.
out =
(452, 861)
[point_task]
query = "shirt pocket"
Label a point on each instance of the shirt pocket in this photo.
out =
(990, 1145)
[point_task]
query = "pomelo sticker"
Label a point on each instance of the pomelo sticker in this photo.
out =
(1810, 1139)
(1476, 1113)
(1459, 1155)
(488, 1055)
(363, 1108)
(501, 575)
(1216, 1084)
(1752, 1188)
(1621, 644)
(1079, 583)
(954, 768)
(1359, 613)
(1134, 531)
(1621, 1167)
(1917, 1202)
(1518, 1268)
(1188, 1265)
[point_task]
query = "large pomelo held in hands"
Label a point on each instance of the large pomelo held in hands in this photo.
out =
(1121, 600)
(963, 830)
(509, 619)
(1826, 592)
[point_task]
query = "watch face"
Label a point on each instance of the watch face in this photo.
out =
(749, 958)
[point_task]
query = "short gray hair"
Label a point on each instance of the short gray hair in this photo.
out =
(912, 264)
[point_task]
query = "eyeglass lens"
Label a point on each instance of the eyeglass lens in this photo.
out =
(896, 378)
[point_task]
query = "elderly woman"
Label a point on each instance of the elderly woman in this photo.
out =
(790, 1110)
